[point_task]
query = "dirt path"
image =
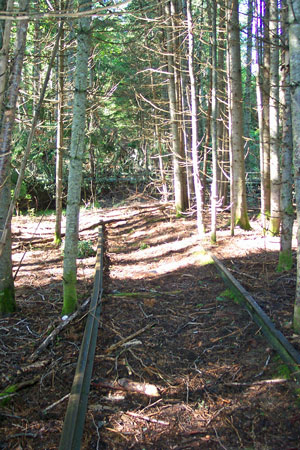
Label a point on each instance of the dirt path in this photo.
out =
(207, 366)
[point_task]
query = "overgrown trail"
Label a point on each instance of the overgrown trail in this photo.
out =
(201, 351)
(178, 364)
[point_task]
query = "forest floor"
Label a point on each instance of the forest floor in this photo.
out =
(214, 381)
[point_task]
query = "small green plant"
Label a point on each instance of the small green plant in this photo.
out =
(85, 249)
(227, 294)
(143, 246)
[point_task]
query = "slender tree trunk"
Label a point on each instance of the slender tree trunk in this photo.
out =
(195, 159)
(287, 210)
(7, 294)
(294, 46)
(4, 49)
(59, 142)
(274, 226)
(75, 165)
(263, 85)
(248, 90)
(214, 129)
(223, 152)
(178, 154)
(239, 204)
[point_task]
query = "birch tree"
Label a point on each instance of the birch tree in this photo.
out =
(294, 47)
(75, 164)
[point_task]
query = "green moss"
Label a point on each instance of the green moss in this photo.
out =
(228, 294)
(57, 240)
(70, 294)
(289, 210)
(243, 222)
(296, 319)
(5, 394)
(7, 300)
(213, 238)
(274, 226)
(203, 257)
(285, 262)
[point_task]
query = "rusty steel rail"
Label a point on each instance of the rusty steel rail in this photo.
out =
(275, 338)
(75, 415)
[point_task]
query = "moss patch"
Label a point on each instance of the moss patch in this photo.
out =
(7, 301)
(285, 262)
(70, 294)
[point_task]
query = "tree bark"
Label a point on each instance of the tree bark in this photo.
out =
(7, 294)
(214, 129)
(75, 165)
(195, 159)
(59, 142)
(287, 210)
(275, 180)
(178, 153)
(239, 205)
(294, 47)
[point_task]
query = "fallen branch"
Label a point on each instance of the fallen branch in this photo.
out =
(57, 330)
(128, 338)
(13, 388)
(148, 419)
(130, 386)
(261, 382)
(26, 369)
(55, 403)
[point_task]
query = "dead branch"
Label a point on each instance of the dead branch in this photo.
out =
(128, 338)
(148, 419)
(57, 330)
(130, 386)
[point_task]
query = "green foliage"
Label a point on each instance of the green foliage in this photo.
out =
(143, 246)
(228, 294)
(85, 249)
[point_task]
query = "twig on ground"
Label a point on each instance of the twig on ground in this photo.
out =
(147, 419)
(127, 385)
(129, 338)
(57, 330)
(55, 403)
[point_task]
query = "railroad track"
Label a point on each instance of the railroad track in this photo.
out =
(78, 400)
(76, 410)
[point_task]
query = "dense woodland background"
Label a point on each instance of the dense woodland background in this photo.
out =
(195, 102)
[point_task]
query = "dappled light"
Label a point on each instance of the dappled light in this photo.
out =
(214, 379)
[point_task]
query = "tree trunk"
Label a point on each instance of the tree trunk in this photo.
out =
(59, 142)
(274, 226)
(7, 294)
(4, 46)
(75, 165)
(294, 46)
(263, 96)
(214, 129)
(247, 96)
(178, 154)
(195, 159)
(287, 210)
(223, 152)
(239, 204)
